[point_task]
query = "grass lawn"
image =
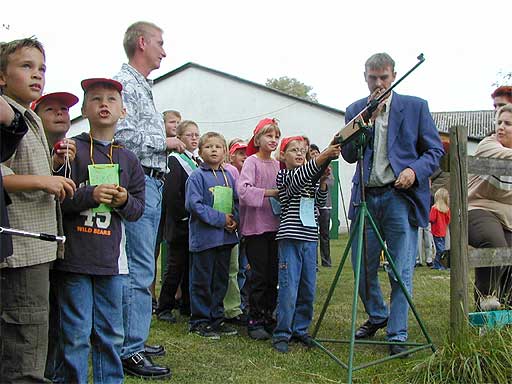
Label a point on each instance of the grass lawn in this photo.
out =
(240, 360)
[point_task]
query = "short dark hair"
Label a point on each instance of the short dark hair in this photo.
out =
(314, 147)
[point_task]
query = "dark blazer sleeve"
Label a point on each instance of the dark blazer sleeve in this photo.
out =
(175, 185)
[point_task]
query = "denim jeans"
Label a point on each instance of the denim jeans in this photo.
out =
(140, 248)
(297, 284)
(390, 211)
(209, 273)
(439, 243)
(91, 314)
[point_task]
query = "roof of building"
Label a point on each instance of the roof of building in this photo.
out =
(478, 123)
(251, 83)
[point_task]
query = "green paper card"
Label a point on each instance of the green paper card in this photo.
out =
(223, 199)
(103, 174)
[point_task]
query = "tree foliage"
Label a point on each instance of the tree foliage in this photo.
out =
(503, 78)
(292, 87)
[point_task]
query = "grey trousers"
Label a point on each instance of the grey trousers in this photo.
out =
(486, 231)
(24, 323)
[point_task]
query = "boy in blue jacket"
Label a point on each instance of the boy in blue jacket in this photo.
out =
(212, 202)
(89, 279)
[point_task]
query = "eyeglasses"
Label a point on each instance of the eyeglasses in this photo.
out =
(299, 151)
(190, 135)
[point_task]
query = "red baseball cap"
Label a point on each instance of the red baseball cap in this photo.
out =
(68, 99)
(235, 147)
(88, 83)
(286, 140)
(251, 148)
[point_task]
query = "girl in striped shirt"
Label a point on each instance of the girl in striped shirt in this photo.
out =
(297, 239)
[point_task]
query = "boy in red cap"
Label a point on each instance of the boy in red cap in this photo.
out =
(53, 110)
(259, 224)
(28, 179)
(297, 238)
(90, 278)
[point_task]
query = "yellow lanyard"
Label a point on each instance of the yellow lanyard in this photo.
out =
(91, 146)
(223, 174)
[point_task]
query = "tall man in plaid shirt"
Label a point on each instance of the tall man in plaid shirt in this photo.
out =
(143, 132)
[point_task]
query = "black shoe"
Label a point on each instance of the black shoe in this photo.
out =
(368, 329)
(238, 320)
(154, 306)
(167, 315)
(206, 331)
(141, 366)
(225, 330)
(258, 333)
(280, 346)
(395, 349)
(154, 350)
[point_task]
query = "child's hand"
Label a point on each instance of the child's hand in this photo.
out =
(58, 186)
(272, 192)
(231, 227)
(104, 193)
(6, 112)
(333, 151)
(66, 149)
(230, 222)
(120, 198)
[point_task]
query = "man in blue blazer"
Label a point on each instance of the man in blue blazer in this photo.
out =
(403, 150)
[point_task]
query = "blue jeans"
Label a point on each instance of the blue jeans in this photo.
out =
(209, 274)
(90, 313)
(297, 284)
(140, 248)
(243, 275)
(439, 243)
(390, 211)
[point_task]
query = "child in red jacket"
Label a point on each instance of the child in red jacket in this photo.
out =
(440, 218)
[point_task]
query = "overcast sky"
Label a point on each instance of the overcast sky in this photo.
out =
(321, 43)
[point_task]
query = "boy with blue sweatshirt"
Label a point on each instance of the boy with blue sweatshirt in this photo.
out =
(212, 202)
(89, 280)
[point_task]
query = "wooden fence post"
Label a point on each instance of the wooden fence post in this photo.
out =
(458, 232)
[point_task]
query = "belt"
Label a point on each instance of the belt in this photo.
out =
(379, 190)
(151, 172)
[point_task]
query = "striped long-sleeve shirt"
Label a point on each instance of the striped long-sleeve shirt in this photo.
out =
(293, 184)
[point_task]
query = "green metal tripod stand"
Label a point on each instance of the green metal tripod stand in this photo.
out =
(359, 227)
